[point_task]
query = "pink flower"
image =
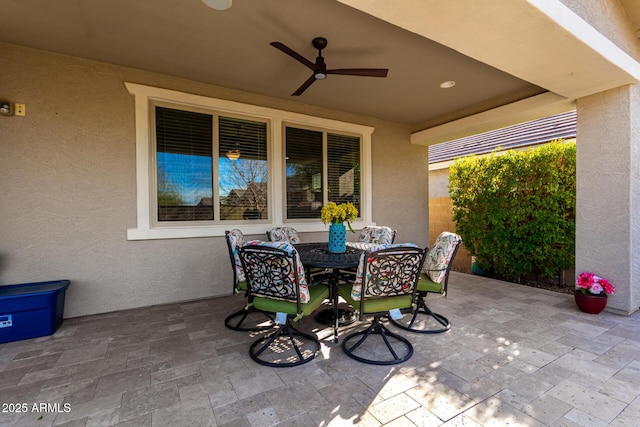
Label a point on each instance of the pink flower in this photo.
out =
(596, 288)
(590, 284)
(585, 280)
(608, 287)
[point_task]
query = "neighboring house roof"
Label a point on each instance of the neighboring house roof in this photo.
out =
(517, 136)
(254, 194)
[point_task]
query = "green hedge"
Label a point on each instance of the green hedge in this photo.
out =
(516, 210)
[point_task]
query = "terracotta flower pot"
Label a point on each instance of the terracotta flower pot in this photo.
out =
(592, 304)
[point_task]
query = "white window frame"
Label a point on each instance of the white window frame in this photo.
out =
(147, 229)
(325, 174)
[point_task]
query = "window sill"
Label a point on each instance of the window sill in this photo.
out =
(219, 230)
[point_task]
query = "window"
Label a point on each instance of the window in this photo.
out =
(304, 173)
(185, 172)
(308, 154)
(184, 158)
(205, 165)
(242, 170)
(343, 169)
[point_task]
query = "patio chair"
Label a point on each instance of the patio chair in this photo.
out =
(385, 284)
(283, 234)
(433, 279)
(277, 284)
(368, 237)
(290, 234)
(235, 239)
(377, 234)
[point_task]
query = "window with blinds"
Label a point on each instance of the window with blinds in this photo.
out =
(185, 142)
(343, 169)
(184, 165)
(243, 169)
(304, 173)
(312, 154)
(210, 166)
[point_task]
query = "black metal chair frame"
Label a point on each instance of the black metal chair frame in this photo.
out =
(242, 314)
(314, 275)
(375, 263)
(259, 281)
(423, 309)
(349, 275)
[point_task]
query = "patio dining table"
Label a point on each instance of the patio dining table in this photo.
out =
(317, 255)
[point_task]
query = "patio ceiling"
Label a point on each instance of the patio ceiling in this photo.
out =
(488, 49)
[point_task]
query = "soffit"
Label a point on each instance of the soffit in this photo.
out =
(231, 49)
(498, 52)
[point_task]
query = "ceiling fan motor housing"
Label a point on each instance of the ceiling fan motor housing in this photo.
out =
(319, 43)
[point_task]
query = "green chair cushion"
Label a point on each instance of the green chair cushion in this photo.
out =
(425, 284)
(317, 295)
(241, 286)
(375, 305)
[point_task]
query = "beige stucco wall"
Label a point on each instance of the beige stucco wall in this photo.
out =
(400, 185)
(67, 172)
(439, 183)
(608, 168)
(607, 230)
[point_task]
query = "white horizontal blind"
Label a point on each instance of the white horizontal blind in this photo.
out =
(306, 161)
(242, 182)
(184, 168)
(343, 169)
(304, 173)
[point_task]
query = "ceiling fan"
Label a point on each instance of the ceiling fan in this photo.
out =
(319, 68)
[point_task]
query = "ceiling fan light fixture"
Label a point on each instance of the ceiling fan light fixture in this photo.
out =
(448, 84)
(320, 75)
(218, 4)
(233, 154)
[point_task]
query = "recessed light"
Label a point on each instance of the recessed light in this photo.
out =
(448, 84)
(218, 4)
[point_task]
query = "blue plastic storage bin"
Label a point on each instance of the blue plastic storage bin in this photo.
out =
(31, 310)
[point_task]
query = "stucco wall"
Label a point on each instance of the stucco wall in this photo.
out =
(400, 190)
(608, 168)
(439, 183)
(609, 18)
(68, 186)
(607, 231)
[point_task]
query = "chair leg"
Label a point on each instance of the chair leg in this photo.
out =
(377, 328)
(285, 358)
(423, 309)
(230, 323)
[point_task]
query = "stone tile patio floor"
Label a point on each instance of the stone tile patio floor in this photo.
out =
(515, 356)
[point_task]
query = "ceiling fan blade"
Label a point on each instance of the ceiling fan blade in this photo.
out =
(304, 86)
(365, 72)
(292, 53)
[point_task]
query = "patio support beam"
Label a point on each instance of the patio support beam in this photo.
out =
(541, 41)
(608, 192)
(535, 107)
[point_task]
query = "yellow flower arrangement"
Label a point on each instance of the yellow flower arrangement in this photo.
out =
(333, 213)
